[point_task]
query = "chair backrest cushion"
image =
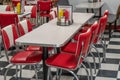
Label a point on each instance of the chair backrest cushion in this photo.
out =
(44, 6)
(7, 19)
(33, 10)
(9, 35)
(94, 29)
(15, 2)
(24, 27)
(83, 43)
(102, 25)
(52, 15)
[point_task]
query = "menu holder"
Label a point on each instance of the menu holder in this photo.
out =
(65, 15)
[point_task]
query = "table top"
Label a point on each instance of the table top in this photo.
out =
(94, 5)
(52, 35)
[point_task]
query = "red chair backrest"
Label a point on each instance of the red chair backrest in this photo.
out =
(52, 15)
(106, 12)
(44, 6)
(8, 8)
(24, 27)
(83, 43)
(102, 25)
(32, 9)
(34, 12)
(9, 35)
(7, 19)
(15, 2)
(94, 29)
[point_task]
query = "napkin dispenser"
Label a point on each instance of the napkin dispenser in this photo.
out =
(64, 15)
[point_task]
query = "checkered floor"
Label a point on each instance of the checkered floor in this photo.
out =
(110, 70)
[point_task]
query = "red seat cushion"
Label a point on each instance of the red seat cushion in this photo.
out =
(27, 57)
(63, 60)
(70, 47)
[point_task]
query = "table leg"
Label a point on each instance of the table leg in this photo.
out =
(45, 68)
(100, 10)
(58, 73)
(87, 10)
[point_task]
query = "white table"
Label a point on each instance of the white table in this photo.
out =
(52, 35)
(88, 5)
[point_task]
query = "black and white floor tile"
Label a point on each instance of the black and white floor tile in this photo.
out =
(109, 70)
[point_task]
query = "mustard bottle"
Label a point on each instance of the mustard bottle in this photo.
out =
(18, 8)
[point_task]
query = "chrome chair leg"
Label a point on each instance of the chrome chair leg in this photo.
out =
(0, 46)
(16, 71)
(57, 73)
(90, 70)
(60, 73)
(86, 71)
(7, 71)
(104, 41)
(20, 71)
(49, 76)
(76, 77)
(93, 62)
(36, 75)
(98, 54)
(104, 51)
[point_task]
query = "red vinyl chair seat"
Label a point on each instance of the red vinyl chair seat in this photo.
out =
(64, 60)
(70, 47)
(68, 61)
(27, 57)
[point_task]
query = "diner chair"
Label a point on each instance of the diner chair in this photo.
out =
(33, 15)
(24, 27)
(21, 57)
(4, 8)
(44, 8)
(5, 20)
(112, 19)
(71, 46)
(52, 15)
(54, 9)
(70, 62)
(100, 35)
